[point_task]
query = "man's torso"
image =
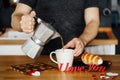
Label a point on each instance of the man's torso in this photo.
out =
(66, 16)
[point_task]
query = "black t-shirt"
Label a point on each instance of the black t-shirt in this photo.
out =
(66, 16)
(5, 14)
(1, 3)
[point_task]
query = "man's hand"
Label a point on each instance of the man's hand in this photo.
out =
(77, 44)
(27, 22)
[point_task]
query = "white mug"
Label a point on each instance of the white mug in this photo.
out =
(64, 58)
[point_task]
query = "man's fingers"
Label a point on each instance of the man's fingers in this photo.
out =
(78, 49)
(27, 22)
(69, 45)
(27, 31)
(32, 14)
(66, 46)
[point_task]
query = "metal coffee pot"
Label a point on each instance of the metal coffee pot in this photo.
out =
(13, 2)
(43, 33)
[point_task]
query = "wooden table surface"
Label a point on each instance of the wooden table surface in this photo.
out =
(7, 74)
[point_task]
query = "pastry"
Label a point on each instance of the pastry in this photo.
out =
(89, 58)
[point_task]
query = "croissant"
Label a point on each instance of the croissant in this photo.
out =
(88, 58)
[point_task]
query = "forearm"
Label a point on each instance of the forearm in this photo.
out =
(90, 32)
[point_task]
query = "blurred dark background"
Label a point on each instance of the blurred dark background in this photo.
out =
(109, 16)
(115, 21)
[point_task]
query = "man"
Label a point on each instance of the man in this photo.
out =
(77, 21)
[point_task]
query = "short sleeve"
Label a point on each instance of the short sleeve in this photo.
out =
(30, 3)
(1, 3)
(91, 3)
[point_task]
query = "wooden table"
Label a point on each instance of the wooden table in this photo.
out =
(7, 74)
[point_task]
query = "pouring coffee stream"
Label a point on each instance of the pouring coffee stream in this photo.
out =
(62, 43)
